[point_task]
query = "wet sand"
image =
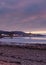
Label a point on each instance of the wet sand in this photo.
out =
(29, 54)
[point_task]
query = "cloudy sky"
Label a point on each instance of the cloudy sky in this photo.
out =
(23, 15)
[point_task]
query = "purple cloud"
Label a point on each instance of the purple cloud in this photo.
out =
(25, 15)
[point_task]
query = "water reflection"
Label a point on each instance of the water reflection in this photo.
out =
(38, 38)
(25, 39)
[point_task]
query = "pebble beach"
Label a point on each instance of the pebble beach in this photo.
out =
(28, 54)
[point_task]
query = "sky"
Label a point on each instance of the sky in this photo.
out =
(23, 15)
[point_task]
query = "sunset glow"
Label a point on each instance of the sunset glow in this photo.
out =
(39, 32)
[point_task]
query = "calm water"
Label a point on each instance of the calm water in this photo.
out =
(25, 39)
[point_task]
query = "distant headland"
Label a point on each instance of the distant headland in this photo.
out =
(17, 34)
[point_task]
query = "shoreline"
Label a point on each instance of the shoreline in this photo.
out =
(24, 45)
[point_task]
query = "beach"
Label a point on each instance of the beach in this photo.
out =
(22, 32)
(28, 54)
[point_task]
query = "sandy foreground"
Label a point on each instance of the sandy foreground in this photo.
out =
(29, 54)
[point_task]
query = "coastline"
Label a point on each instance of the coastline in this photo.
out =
(24, 45)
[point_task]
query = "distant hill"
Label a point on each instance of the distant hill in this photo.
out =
(13, 32)
(18, 33)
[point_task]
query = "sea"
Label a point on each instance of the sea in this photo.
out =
(30, 40)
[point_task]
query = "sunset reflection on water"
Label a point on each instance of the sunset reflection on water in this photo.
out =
(38, 38)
